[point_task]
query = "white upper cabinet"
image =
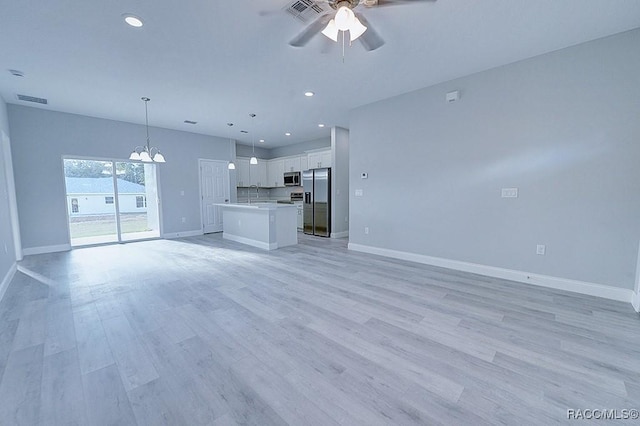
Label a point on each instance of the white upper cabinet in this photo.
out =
(259, 174)
(292, 164)
(275, 173)
(319, 159)
(270, 173)
(242, 172)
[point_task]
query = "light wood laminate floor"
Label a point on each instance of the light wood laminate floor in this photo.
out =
(202, 331)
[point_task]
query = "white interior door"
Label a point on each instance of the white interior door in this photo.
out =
(214, 189)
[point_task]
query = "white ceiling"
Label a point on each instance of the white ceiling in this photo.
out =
(217, 61)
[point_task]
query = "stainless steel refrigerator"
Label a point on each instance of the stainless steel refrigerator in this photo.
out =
(317, 202)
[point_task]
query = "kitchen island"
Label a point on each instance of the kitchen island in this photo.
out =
(267, 226)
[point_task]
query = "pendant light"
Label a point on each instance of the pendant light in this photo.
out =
(232, 165)
(143, 153)
(253, 159)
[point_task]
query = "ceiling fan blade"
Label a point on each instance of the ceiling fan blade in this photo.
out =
(312, 29)
(383, 3)
(371, 40)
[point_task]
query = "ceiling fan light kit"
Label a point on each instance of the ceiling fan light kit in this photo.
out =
(345, 20)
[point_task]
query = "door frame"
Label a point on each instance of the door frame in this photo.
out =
(115, 188)
(201, 196)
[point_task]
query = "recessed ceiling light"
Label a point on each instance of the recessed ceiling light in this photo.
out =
(309, 94)
(261, 140)
(287, 134)
(320, 125)
(132, 20)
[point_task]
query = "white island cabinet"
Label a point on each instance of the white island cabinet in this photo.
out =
(267, 226)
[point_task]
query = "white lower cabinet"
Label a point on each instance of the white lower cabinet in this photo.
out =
(300, 215)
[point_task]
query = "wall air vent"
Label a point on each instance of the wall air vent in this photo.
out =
(306, 10)
(32, 99)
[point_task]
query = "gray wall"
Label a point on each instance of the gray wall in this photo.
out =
(247, 151)
(7, 248)
(40, 138)
(300, 148)
(563, 127)
(339, 180)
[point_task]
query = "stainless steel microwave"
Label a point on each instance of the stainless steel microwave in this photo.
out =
(292, 179)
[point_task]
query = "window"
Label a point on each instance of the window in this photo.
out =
(74, 205)
(108, 200)
(141, 201)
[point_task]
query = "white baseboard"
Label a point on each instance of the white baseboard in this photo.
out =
(636, 302)
(7, 279)
(342, 234)
(172, 235)
(249, 241)
(582, 287)
(45, 249)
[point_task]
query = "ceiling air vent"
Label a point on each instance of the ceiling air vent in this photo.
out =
(305, 10)
(190, 122)
(32, 99)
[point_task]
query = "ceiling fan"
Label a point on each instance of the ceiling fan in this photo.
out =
(346, 19)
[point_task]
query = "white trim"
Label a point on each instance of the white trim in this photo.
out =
(7, 279)
(249, 241)
(635, 301)
(342, 234)
(172, 235)
(591, 289)
(46, 249)
(11, 193)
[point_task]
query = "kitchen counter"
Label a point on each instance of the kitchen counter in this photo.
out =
(266, 225)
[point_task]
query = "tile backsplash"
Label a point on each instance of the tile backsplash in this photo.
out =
(266, 193)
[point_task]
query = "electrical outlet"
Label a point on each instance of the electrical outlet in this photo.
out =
(509, 192)
(366, 230)
(359, 192)
(541, 249)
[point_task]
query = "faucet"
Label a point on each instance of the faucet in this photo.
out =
(249, 193)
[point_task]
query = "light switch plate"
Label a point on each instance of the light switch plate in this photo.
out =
(359, 192)
(541, 249)
(509, 192)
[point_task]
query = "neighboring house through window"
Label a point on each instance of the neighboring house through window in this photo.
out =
(108, 200)
(141, 201)
(74, 205)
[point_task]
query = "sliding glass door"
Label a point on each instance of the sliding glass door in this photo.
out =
(110, 201)
(137, 201)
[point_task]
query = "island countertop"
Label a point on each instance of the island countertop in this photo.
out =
(267, 225)
(258, 205)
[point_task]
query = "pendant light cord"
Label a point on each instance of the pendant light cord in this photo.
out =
(146, 120)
